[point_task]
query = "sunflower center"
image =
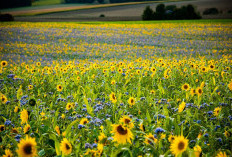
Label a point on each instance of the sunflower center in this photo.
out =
(199, 91)
(67, 146)
(2, 128)
(3, 99)
(85, 122)
(59, 87)
(3, 63)
(121, 130)
(127, 121)
(181, 145)
(132, 100)
(185, 86)
(27, 149)
(113, 96)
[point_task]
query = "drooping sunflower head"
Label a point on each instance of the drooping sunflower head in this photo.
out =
(181, 107)
(127, 121)
(27, 147)
(65, 147)
(122, 134)
(84, 121)
(69, 106)
(179, 145)
(24, 116)
(26, 128)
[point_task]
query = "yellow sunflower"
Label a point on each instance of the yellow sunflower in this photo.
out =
(27, 147)
(221, 154)
(185, 87)
(199, 91)
(24, 116)
(230, 85)
(217, 111)
(128, 121)
(171, 138)
(192, 91)
(84, 121)
(122, 134)
(131, 101)
(59, 88)
(26, 128)
(197, 150)
(30, 87)
(101, 137)
(8, 153)
(2, 128)
(57, 130)
(179, 145)
(113, 98)
(69, 106)
(4, 63)
(150, 139)
(65, 147)
(3, 99)
(181, 106)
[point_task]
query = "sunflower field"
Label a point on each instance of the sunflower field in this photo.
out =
(116, 89)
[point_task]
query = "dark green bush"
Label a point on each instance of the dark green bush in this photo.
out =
(211, 11)
(6, 17)
(148, 14)
(171, 13)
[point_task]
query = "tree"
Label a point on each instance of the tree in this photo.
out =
(148, 14)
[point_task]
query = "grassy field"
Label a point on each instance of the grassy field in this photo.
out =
(46, 2)
(116, 88)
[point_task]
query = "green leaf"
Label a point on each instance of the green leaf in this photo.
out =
(41, 153)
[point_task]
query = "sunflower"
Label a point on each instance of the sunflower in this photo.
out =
(197, 150)
(8, 153)
(217, 111)
(192, 91)
(185, 87)
(69, 106)
(131, 101)
(65, 147)
(204, 69)
(199, 91)
(24, 116)
(230, 85)
(142, 127)
(84, 121)
(179, 145)
(59, 88)
(26, 128)
(113, 98)
(171, 138)
(2, 128)
(181, 106)
(150, 139)
(113, 82)
(38, 63)
(27, 147)
(221, 154)
(4, 63)
(57, 130)
(30, 87)
(128, 121)
(122, 134)
(3, 99)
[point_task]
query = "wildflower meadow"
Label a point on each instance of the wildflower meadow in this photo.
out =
(116, 89)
